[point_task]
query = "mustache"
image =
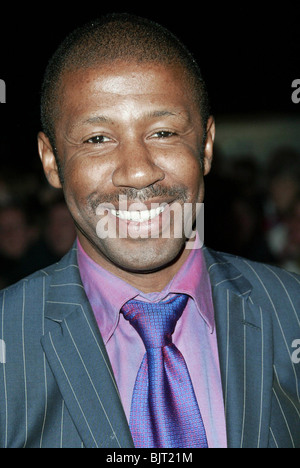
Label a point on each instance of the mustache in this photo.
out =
(139, 195)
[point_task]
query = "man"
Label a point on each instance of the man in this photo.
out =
(128, 136)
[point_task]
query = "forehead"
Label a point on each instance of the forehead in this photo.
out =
(118, 80)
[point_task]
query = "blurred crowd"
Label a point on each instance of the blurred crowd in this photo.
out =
(252, 210)
(36, 228)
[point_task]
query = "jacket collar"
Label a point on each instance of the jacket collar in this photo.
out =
(223, 274)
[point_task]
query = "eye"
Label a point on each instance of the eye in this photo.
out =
(98, 140)
(163, 134)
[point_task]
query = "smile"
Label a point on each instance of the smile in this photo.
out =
(138, 216)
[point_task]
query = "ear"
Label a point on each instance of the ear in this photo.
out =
(209, 144)
(48, 160)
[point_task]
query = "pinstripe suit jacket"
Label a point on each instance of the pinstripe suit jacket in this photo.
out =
(57, 387)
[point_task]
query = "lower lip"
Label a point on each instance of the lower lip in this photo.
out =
(145, 229)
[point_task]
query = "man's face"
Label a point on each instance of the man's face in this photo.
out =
(132, 131)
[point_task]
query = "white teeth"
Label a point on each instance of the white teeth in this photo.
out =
(138, 216)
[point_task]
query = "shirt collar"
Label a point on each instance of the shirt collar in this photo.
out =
(193, 279)
(107, 293)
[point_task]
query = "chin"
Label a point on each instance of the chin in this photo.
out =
(144, 256)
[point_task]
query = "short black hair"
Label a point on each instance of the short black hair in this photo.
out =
(119, 36)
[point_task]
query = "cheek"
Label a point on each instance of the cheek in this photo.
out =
(83, 177)
(195, 182)
(79, 183)
(188, 172)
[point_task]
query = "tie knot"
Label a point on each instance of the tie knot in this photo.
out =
(155, 322)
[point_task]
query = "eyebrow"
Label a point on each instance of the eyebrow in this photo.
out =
(98, 119)
(159, 113)
(148, 115)
(178, 113)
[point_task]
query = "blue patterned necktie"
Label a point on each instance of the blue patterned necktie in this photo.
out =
(164, 410)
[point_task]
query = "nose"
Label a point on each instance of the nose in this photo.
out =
(136, 167)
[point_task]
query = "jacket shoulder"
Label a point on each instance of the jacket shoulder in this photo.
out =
(22, 306)
(273, 280)
(30, 292)
(260, 275)
(269, 287)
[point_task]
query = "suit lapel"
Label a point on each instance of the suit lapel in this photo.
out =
(79, 361)
(244, 342)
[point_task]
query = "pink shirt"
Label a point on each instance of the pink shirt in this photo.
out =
(194, 335)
